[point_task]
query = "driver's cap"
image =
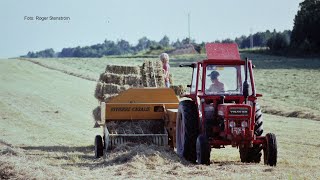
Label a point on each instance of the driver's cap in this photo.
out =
(214, 74)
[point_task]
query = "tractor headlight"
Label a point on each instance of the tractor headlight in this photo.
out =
(244, 124)
(232, 124)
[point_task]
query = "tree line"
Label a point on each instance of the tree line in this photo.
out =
(304, 38)
(121, 47)
(109, 47)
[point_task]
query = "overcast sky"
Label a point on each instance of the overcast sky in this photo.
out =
(93, 21)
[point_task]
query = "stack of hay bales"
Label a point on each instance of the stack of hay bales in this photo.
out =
(116, 79)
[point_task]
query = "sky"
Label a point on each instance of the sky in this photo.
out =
(92, 21)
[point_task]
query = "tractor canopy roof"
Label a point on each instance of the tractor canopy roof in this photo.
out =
(222, 51)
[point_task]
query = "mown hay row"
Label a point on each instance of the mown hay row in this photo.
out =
(122, 69)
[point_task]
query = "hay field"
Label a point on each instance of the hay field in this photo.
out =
(46, 128)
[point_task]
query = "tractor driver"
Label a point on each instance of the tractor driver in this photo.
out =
(216, 85)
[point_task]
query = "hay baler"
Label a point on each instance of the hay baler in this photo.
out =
(143, 115)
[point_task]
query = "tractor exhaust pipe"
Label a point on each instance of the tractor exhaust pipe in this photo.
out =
(245, 83)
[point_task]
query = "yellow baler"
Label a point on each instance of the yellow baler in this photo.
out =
(145, 115)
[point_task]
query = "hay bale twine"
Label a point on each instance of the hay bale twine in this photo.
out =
(96, 113)
(122, 69)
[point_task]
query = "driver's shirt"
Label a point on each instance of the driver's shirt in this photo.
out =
(216, 87)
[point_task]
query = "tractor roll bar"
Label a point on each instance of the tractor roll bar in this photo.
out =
(245, 83)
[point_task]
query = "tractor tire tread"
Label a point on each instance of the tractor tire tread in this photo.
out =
(98, 146)
(258, 128)
(271, 151)
(190, 120)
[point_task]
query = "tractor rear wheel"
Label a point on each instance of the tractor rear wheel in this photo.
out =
(258, 128)
(203, 150)
(251, 155)
(187, 130)
(270, 152)
(98, 147)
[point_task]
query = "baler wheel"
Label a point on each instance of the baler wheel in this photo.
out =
(203, 150)
(270, 152)
(258, 128)
(187, 130)
(98, 147)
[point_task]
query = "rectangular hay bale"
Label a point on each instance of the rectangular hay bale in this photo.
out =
(132, 80)
(112, 78)
(122, 69)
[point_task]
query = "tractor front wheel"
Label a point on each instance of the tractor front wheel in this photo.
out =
(98, 147)
(252, 154)
(270, 152)
(203, 150)
(187, 130)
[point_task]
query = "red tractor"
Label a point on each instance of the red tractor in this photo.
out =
(223, 109)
